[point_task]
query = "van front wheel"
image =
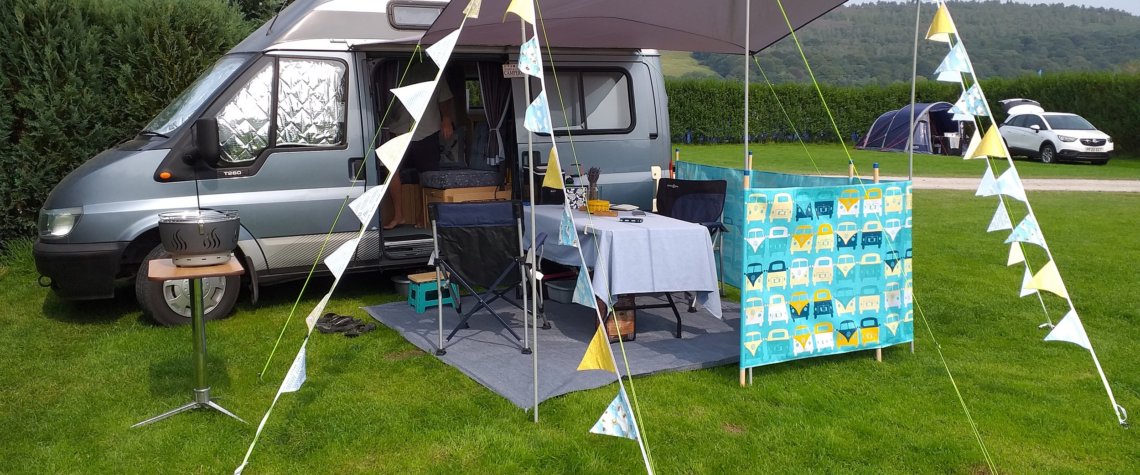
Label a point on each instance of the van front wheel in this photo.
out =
(168, 303)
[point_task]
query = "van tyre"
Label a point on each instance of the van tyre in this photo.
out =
(1048, 153)
(168, 303)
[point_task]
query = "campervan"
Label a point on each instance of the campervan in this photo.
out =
(283, 130)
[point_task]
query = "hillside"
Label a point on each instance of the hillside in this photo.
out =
(873, 43)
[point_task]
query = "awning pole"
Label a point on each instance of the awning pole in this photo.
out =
(533, 237)
(913, 80)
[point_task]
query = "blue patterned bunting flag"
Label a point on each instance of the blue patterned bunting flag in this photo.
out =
(1027, 231)
(567, 236)
(617, 420)
(296, 375)
(971, 103)
(537, 118)
(582, 290)
(988, 186)
(1009, 184)
(530, 61)
(955, 63)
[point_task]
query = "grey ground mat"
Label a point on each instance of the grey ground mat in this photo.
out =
(489, 355)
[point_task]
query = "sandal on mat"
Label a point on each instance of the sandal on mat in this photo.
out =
(333, 323)
(360, 329)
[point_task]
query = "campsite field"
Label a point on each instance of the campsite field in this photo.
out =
(829, 159)
(77, 375)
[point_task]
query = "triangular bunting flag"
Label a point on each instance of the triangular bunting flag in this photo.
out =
(311, 320)
(973, 147)
(1049, 280)
(440, 52)
(523, 8)
(955, 63)
(617, 420)
(582, 290)
(553, 178)
(987, 187)
(1025, 280)
(1027, 231)
(392, 152)
(296, 375)
(365, 205)
(1015, 254)
(567, 235)
(1000, 221)
(991, 145)
(972, 102)
(472, 10)
(1071, 330)
(530, 61)
(941, 27)
(415, 98)
(337, 262)
(1009, 184)
(598, 354)
(537, 118)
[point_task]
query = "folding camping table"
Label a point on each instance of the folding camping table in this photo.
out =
(658, 255)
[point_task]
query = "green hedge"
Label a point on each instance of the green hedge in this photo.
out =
(78, 76)
(712, 110)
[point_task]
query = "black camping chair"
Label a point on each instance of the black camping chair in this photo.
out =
(480, 245)
(696, 201)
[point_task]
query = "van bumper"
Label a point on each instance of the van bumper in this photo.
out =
(80, 271)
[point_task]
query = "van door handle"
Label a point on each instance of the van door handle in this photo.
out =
(355, 168)
(653, 136)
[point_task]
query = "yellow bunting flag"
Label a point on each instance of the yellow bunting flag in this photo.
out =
(942, 26)
(472, 10)
(1049, 280)
(523, 8)
(598, 354)
(991, 145)
(1015, 255)
(553, 177)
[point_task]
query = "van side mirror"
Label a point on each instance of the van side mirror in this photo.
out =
(206, 140)
(1036, 128)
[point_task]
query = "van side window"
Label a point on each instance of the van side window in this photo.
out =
(310, 102)
(243, 123)
(590, 101)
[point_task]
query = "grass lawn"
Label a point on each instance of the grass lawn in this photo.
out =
(75, 376)
(829, 159)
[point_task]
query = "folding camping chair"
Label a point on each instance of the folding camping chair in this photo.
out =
(696, 201)
(480, 245)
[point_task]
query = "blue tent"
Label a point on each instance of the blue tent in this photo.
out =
(932, 124)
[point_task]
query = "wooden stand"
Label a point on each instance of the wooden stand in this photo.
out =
(460, 195)
(161, 270)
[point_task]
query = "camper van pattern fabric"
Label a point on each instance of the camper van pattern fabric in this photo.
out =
(826, 270)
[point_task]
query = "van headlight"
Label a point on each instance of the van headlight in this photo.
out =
(57, 223)
(1066, 138)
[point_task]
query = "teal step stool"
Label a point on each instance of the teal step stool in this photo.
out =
(423, 293)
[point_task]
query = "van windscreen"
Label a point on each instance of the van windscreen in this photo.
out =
(191, 99)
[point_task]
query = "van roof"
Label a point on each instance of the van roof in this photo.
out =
(332, 25)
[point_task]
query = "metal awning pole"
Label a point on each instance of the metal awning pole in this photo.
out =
(913, 80)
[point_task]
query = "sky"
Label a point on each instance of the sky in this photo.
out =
(1130, 6)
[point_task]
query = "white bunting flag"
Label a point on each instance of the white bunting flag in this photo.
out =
(1000, 221)
(582, 293)
(311, 320)
(440, 52)
(537, 118)
(1071, 330)
(296, 375)
(617, 420)
(337, 262)
(365, 205)
(1026, 290)
(1009, 184)
(392, 152)
(973, 147)
(1015, 254)
(415, 97)
(530, 60)
(988, 186)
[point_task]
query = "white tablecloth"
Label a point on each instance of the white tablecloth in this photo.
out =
(660, 254)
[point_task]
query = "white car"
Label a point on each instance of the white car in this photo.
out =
(1052, 136)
